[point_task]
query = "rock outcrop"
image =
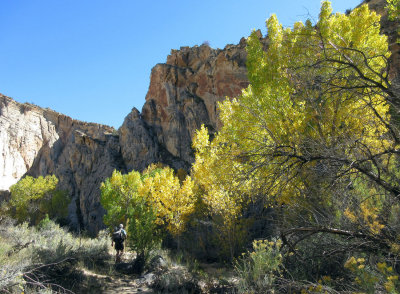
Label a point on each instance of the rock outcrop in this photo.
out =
(138, 145)
(36, 141)
(183, 95)
(23, 133)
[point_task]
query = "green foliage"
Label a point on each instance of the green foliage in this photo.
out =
(33, 198)
(393, 8)
(143, 232)
(57, 206)
(145, 202)
(45, 222)
(118, 195)
(126, 202)
(257, 270)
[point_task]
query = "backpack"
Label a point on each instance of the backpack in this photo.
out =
(118, 236)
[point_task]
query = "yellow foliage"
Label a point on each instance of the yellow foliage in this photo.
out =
(286, 109)
(368, 216)
(350, 263)
(173, 201)
(214, 172)
(312, 99)
(371, 218)
(350, 215)
(368, 278)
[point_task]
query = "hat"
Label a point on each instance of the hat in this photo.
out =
(121, 226)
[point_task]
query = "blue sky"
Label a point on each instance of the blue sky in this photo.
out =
(91, 59)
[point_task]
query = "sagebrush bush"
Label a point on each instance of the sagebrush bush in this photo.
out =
(44, 255)
(176, 280)
(57, 244)
(14, 257)
(257, 270)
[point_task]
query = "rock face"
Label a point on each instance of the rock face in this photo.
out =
(23, 133)
(138, 145)
(36, 141)
(183, 95)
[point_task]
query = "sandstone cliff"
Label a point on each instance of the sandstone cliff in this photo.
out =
(38, 141)
(183, 95)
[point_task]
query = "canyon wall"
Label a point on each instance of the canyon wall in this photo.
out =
(36, 141)
(183, 95)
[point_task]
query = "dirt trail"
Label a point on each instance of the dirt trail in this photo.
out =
(116, 283)
(110, 281)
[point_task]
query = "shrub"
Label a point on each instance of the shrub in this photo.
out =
(44, 257)
(373, 276)
(257, 270)
(176, 280)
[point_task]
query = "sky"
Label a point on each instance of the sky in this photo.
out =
(91, 59)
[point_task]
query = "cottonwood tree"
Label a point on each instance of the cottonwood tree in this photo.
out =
(172, 200)
(146, 203)
(222, 193)
(118, 195)
(316, 135)
(33, 198)
(124, 204)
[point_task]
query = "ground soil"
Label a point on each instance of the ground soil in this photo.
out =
(107, 280)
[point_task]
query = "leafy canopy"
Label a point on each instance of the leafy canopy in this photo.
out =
(118, 195)
(314, 94)
(145, 202)
(172, 200)
(313, 134)
(33, 198)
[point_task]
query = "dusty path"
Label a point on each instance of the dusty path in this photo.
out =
(109, 281)
(115, 282)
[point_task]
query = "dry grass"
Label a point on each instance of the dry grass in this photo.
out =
(46, 258)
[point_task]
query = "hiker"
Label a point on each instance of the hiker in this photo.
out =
(118, 238)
